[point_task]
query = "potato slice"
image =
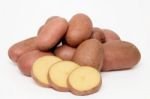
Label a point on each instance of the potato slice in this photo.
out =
(84, 80)
(59, 73)
(40, 69)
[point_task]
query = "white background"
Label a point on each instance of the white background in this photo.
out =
(20, 19)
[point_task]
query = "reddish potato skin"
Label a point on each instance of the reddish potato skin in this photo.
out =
(16, 50)
(84, 93)
(110, 35)
(119, 55)
(89, 53)
(40, 29)
(26, 61)
(65, 52)
(49, 19)
(98, 34)
(80, 29)
(52, 32)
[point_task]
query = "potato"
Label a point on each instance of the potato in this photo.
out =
(65, 52)
(22, 47)
(84, 81)
(89, 53)
(110, 35)
(26, 61)
(40, 69)
(98, 34)
(52, 33)
(80, 29)
(40, 29)
(120, 55)
(59, 73)
(49, 19)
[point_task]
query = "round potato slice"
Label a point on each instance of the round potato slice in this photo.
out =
(59, 73)
(41, 67)
(84, 80)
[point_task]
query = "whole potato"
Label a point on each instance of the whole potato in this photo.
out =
(41, 27)
(26, 61)
(52, 32)
(16, 50)
(51, 18)
(110, 35)
(120, 55)
(80, 29)
(64, 52)
(89, 53)
(98, 34)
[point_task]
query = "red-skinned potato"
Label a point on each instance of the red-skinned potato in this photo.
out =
(119, 55)
(89, 53)
(26, 61)
(98, 34)
(80, 29)
(40, 29)
(110, 35)
(52, 32)
(16, 50)
(65, 52)
(49, 19)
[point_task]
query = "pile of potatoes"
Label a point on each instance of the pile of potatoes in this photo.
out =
(69, 56)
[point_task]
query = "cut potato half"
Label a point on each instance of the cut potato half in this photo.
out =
(84, 80)
(40, 69)
(59, 73)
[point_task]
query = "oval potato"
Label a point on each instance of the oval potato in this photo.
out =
(120, 55)
(16, 50)
(80, 29)
(52, 32)
(65, 52)
(98, 34)
(49, 19)
(110, 35)
(89, 53)
(40, 29)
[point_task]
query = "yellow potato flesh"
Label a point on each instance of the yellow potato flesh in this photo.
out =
(41, 66)
(60, 71)
(84, 78)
